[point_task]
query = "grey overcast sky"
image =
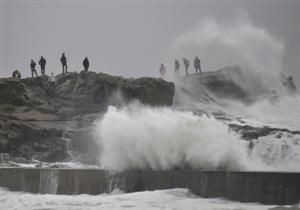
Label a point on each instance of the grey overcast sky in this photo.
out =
(132, 38)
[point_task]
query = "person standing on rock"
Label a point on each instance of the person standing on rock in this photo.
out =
(52, 80)
(177, 66)
(63, 61)
(42, 63)
(162, 70)
(86, 64)
(32, 67)
(197, 64)
(186, 65)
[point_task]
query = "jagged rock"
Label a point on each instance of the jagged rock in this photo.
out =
(13, 92)
(34, 118)
(98, 88)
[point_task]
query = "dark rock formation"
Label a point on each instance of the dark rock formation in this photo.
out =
(249, 132)
(39, 122)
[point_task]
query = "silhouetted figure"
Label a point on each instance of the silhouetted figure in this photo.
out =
(186, 65)
(52, 80)
(177, 66)
(291, 84)
(162, 70)
(197, 64)
(63, 61)
(32, 67)
(16, 74)
(86, 64)
(42, 63)
(288, 83)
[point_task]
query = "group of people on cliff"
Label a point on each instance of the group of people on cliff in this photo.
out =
(186, 63)
(43, 62)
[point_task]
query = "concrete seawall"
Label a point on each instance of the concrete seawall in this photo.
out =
(265, 187)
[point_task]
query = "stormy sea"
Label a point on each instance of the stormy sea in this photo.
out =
(222, 120)
(192, 141)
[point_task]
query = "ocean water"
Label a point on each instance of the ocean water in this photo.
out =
(141, 137)
(173, 199)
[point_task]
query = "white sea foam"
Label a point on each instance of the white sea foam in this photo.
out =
(279, 151)
(160, 138)
(173, 199)
(140, 137)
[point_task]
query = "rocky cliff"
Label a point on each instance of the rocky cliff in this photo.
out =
(49, 124)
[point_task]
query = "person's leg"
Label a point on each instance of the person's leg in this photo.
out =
(66, 68)
(31, 73)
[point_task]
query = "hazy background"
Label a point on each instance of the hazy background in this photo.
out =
(132, 38)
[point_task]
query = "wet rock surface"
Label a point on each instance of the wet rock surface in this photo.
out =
(43, 123)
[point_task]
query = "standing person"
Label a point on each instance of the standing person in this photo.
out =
(42, 63)
(63, 61)
(52, 80)
(32, 67)
(162, 70)
(197, 64)
(177, 66)
(186, 65)
(86, 64)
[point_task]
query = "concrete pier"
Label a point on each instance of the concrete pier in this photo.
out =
(277, 188)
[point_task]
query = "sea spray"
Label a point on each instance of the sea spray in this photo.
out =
(139, 137)
(241, 42)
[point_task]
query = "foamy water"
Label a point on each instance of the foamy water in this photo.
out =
(145, 138)
(139, 137)
(172, 199)
(280, 113)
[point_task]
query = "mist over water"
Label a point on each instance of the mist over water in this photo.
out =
(240, 42)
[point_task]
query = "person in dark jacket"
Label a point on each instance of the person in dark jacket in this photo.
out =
(42, 63)
(86, 64)
(63, 61)
(186, 65)
(32, 67)
(177, 66)
(16, 74)
(197, 64)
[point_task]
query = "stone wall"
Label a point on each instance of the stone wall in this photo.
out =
(265, 187)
